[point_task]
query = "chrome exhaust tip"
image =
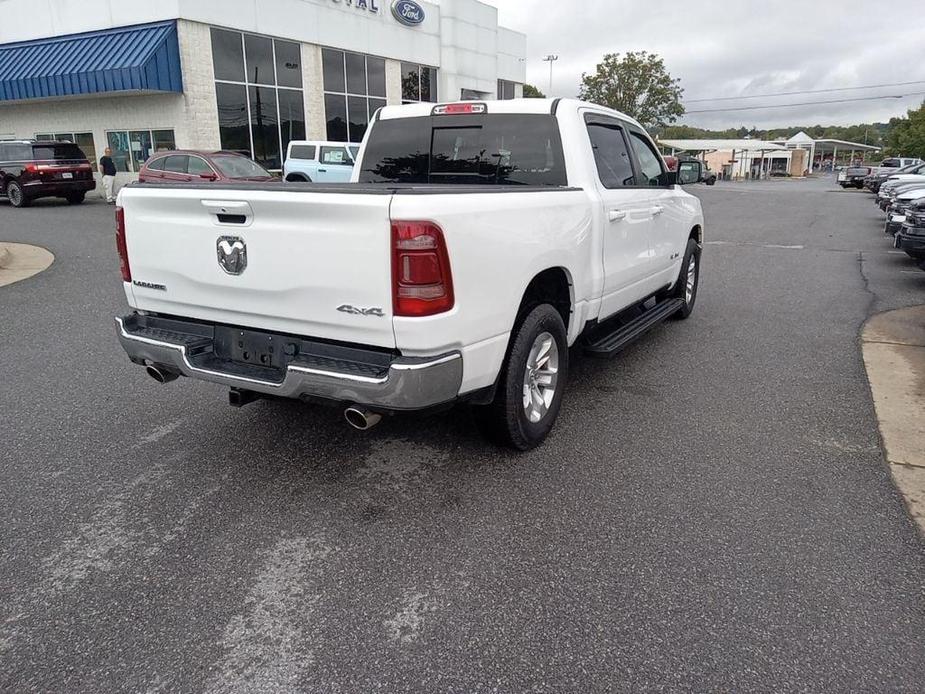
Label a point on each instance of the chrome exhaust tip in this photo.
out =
(161, 375)
(361, 419)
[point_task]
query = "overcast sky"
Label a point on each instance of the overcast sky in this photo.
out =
(738, 47)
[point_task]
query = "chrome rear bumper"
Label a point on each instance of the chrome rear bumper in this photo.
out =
(402, 383)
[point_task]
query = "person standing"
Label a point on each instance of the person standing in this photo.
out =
(108, 167)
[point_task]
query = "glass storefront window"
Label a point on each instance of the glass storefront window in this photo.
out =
(259, 52)
(410, 82)
(233, 122)
(375, 70)
(506, 90)
(258, 89)
(291, 117)
(288, 64)
(358, 117)
(140, 144)
(333, 67)
(118, 143)
(418, 83)
(335, 108)
(356, 74)
(132, 148)
(163, 140)
(354, 87)
(227, 55)
(87, 146)
(265, 126)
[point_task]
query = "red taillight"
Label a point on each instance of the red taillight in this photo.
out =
(31, 167)
(421, 281)
(121, 246)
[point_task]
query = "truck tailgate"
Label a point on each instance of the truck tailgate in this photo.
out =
(306, 262)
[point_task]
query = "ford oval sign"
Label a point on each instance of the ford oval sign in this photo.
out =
(408, 12)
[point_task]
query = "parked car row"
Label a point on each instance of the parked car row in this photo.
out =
(33, 169)
(902, 197)
(878, 175)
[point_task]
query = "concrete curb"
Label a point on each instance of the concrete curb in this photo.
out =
(5, 256)
(893, 345)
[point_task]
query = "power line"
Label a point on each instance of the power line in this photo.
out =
(806, 91)
(804, 103)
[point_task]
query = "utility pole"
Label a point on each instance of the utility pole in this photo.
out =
(550, 59)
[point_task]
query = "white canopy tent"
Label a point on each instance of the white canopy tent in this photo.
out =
(824, 146)
(740, 167)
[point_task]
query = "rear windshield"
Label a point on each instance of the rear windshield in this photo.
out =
(239, 167)
(502, 149)
(57, 152)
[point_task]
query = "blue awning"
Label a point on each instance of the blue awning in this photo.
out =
(140, 58)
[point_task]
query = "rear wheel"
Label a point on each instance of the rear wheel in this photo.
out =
(531, 384)
(75, 198)
(689, 280)
(16, 195)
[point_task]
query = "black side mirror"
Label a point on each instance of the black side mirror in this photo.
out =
(690, 172)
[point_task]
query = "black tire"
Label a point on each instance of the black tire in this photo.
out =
(16, 195)
(505, 420)
(298, 179)
(711, 181)
(75, 198)
(680, 290)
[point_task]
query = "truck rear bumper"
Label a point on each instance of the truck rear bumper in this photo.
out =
(339, 373)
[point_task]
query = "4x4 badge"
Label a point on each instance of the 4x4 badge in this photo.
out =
(354, 311)
(232, 254)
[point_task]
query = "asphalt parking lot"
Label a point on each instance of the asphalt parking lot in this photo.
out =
(712, 512)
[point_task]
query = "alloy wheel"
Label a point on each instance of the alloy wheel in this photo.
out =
(541, 377)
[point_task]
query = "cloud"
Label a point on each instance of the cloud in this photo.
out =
(724, 48)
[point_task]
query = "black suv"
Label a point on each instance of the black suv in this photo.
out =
(31, 169)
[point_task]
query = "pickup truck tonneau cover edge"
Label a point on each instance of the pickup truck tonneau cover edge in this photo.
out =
(363, 188)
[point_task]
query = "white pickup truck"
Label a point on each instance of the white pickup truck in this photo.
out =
(475, 245)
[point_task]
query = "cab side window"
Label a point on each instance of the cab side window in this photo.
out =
(650, 163)
(306, 152)
(335, 155)
(157, 164)
(198, 166)
(176, 163)
(611, 155)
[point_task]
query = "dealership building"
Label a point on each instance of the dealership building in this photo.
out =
(244, 75)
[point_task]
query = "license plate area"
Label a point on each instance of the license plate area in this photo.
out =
(66, 175)
(250, 348)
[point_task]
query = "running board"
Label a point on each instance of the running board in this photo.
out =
(611, 343)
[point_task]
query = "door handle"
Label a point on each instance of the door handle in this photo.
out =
(657, 210)
(322, 170)
(617, 215)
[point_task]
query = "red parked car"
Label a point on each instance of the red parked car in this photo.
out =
(184, 166)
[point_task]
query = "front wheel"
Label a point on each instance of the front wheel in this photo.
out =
(688, 280)
(531, 384)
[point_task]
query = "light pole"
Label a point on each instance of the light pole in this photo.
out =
(550, 59)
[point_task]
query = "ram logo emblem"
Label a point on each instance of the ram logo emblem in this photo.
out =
(232, 254)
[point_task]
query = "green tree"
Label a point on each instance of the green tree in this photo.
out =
(906, 136)
(531, 92)
(636, 84)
